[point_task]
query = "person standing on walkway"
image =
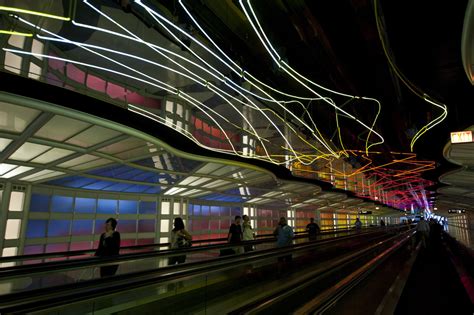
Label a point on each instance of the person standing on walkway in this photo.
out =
(109, 245)
(284, 234)
(358, 225)
(248, 233)
(423, 231)
(312, 229)
(180, 238)
(235, 235)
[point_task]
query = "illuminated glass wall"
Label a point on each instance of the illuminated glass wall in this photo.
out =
(459, 227)
(61, 220)
(13, 203)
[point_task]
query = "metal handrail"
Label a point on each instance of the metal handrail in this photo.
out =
(58, 295)
(24, 270)
(309, 279)
(136, 247)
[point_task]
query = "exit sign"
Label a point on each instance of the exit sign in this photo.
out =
(461, 136)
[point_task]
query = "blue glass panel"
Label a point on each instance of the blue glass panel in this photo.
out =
(215, 210)
(153, 190)
(190, 209)
(224, 198)
(99, 185)
(80, 182)
(36, 228)
(117, 187)
(58, 228)
(61, 204)
(127, 226)
(235, 211)
(146, 162)
(136, 188)
(149, 177)
(107, 206)
(147, 207)
(85, 205)
(197, 210)
(72, 181)
(82, 227)
(225, 211)
(39, 203)
(99, 226)
(146, 226)
(130, 173)
(128, 206)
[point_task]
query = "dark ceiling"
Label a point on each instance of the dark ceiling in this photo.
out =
(336, 43)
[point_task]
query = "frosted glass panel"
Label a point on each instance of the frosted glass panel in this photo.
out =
(17, 199)
(164, 226)
(52, 155)
(59, 228)
(176, 208)
(128, 206)
(15, 118)
(28, 151)
(3, 143)
(107, 206)
(145, 226)
(147, 207)
(127, 226)
(12, 231)
(82, 227)
(68, 127)
(165, 207)
(61, 204)
(85, 205)
(39, 203)
(7, 252)
(36, 228)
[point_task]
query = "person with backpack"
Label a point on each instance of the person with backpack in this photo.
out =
(180, 239)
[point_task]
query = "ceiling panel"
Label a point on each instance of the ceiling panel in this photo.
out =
(92, 136)
(15, 118)
(28, 151)
(52, 155)
(124, 146)
(88, 165)
(5, 167)
(44, 174)
(68, 127)
(79, 160)
(17, 171)
(4, 143)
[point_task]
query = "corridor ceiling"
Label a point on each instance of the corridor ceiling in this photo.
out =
(360, 94)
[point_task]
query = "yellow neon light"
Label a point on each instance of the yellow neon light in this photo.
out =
(37, 13)
(15, 33)
(305, 159)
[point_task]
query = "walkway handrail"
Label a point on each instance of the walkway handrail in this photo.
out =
(59, 295)
(25, 270)
(139, 247)
(309, 279)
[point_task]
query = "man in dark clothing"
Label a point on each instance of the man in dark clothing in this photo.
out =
(312, 229)
(235, 235)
